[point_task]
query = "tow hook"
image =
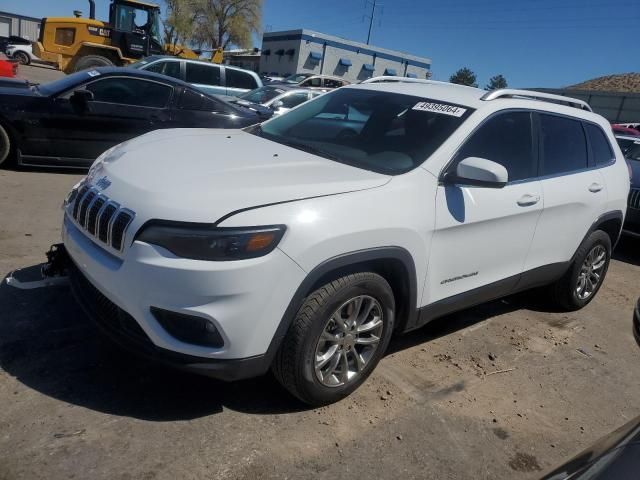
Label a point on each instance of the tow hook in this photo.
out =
(53, 273)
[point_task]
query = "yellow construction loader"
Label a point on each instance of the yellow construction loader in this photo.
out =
(132, 32)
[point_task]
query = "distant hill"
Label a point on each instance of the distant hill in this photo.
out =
(624, 82)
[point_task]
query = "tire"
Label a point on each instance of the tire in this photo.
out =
(306, 344)
(22, 58)
(5, 147)
(566, 292)
(92, 61)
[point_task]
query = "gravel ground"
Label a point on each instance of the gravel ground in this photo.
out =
(505, 390)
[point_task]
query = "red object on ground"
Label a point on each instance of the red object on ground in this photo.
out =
(625, 130)
(8, 69)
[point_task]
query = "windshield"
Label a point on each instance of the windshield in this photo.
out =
(296, 78)
(262, 94)
(380, 131)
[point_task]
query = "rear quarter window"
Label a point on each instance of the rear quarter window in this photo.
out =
(600, 147)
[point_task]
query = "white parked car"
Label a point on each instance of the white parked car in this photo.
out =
(22, 53)
(303, 244)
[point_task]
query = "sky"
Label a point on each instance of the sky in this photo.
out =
(533, 43)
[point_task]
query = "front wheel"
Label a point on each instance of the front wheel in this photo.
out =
(586, 274)
(337, 338)
(22, 58)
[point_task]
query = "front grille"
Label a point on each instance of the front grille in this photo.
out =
(634, 198)
(100, 217)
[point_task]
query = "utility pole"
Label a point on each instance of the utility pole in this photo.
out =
(374, 4)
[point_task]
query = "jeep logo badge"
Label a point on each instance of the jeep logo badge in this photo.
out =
(103, 183)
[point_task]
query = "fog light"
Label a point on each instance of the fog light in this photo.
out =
(188, 328)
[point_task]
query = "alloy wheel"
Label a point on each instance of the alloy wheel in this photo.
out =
(348, 341)
(590, 274)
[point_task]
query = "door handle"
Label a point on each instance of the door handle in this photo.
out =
(595, 187)
(527, 200)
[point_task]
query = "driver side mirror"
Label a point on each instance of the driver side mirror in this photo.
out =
(478, 172)
(80, 100)
(277, 105)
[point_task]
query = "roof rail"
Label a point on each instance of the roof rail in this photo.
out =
(531, 95)
(385, 78)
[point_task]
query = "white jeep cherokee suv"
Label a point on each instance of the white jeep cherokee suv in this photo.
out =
(303, 244)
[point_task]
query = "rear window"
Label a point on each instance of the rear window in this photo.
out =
(600, 147)
(191, 100)
(203, 74)
(564, 145)
(240, 79)
(379, 131)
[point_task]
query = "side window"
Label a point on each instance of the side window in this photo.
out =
(170, 69)
(65, 36)
(203, 74)
(129, 91)
(312, 82)
(294, 100)
(507, 140)
(239, 79)
(191, 100)
(600, 147)
(564, 146)
(332, 83)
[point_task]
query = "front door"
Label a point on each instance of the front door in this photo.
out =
(483, 235)
(122, 108)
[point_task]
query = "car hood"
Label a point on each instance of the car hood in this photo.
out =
(14, 86)
(201, 175)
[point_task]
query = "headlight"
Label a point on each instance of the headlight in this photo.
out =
(205, 242)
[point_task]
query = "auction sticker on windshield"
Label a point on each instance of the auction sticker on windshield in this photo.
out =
(440, 108)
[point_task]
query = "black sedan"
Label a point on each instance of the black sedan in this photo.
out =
(73, 120)
(614, 457)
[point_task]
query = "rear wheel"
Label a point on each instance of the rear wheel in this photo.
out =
(337, 338)
(586, 274)
(92, 61)
(22, 58)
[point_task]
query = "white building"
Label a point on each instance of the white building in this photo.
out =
(298, 51)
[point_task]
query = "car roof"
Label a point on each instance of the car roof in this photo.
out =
(476, 98)
(153, 58)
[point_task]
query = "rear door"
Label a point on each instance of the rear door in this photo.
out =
(194, 109)
(573, 187)
(483, 235)
(206, 77)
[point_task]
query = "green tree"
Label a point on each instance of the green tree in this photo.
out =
(464, 76)
(228, 22)
(496, 82)
(179, 23)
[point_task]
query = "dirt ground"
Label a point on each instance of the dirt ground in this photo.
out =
(505, 390)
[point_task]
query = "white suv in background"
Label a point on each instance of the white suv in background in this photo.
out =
(303, 244)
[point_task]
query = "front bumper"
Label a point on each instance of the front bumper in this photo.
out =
(631, 225)
(245, 301)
